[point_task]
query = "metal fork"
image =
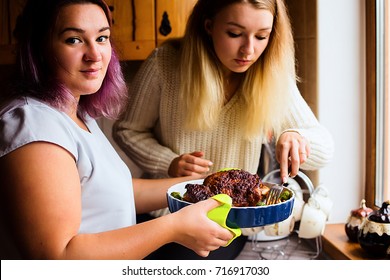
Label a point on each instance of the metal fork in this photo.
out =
(274, 194)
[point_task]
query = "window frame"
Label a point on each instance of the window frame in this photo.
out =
(371, 195)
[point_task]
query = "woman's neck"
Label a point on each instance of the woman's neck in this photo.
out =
(231, 84)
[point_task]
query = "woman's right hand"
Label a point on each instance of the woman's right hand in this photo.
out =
(189, 164)
(196, 231)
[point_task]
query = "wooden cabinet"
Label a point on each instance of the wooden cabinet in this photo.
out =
(133, 28)
(141, 25)
(176, 12)
(138, 25)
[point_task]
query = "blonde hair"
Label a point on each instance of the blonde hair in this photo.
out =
(265, 88)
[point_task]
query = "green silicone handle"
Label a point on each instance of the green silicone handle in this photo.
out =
(220, 213)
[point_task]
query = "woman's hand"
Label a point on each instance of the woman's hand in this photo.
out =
(292, 150)
(196, 231)
(189, 164)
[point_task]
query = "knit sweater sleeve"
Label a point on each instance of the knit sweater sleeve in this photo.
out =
(302, 120)
(134, 132)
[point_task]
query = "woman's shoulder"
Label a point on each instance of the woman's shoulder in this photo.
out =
(25, 120)
(162, 60)
(26, 106)
(10, 105)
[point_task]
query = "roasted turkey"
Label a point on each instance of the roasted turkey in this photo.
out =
(244, 188)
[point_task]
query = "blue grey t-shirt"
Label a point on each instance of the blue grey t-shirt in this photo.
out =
(105, 180)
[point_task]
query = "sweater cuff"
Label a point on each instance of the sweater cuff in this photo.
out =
(163, 163)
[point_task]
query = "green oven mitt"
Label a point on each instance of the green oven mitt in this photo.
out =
(220, 213)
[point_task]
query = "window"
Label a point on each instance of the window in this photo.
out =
(378, 102)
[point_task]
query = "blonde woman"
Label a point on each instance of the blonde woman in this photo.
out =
(210, 100)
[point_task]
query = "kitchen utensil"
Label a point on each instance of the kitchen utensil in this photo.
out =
(274, 194)
(313, 220)
(302, 187)
(321, 194)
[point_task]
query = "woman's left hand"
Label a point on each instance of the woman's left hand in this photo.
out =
(292, 150)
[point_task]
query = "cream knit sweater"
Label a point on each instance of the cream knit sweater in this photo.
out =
(151, 131)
